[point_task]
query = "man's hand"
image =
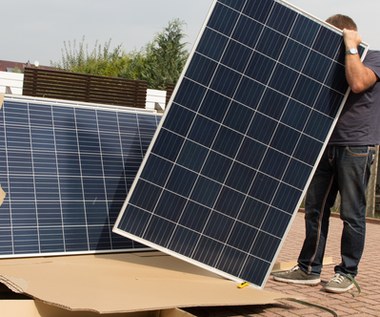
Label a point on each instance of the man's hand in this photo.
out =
(352, 39)
(358, 76)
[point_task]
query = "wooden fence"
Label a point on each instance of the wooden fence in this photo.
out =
(48, 83)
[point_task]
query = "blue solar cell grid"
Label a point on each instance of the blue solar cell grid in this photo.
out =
(239, 142)
(66, 170)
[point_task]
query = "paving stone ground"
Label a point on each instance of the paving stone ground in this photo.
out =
(367, 303)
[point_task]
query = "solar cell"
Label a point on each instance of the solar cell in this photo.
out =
(248, 120)
(66, 169)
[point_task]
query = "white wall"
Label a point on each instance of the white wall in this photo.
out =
(11, 83)
(155, 99)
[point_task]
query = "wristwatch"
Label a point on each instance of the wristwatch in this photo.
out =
(352, 51)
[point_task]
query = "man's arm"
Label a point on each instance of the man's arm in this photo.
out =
(358, 76)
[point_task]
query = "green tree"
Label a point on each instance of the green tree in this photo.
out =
(165, 57)
(159, 63)
(101, 60)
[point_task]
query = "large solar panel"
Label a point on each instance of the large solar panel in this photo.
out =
(66, 169)
(247, 123)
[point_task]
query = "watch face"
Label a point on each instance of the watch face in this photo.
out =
(352, 51)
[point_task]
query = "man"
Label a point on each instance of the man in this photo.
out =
(344, 168)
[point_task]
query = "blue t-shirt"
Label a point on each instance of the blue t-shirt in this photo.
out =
(359, 122)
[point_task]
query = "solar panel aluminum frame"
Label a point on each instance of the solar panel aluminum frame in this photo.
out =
(225, 274)
(95, 246)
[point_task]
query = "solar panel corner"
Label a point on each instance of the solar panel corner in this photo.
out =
(240, 140)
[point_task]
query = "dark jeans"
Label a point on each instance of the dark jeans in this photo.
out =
(343, 169)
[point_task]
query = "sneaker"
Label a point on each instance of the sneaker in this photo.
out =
(296, 276)
(339, 284)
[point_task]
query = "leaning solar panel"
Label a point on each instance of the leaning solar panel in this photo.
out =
(229, 163)
(66, 169)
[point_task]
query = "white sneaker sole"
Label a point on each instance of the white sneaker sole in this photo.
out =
(312, 282)
(338, 290)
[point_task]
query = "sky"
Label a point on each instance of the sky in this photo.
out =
(37, 30)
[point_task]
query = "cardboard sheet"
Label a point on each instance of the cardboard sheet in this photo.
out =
(283, 266)
(126, 282)
(31, 308)
(2, 195)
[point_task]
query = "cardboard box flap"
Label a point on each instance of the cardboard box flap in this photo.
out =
(128, 282)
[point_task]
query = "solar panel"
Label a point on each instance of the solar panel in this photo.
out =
(246, 125)
(66, 169)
